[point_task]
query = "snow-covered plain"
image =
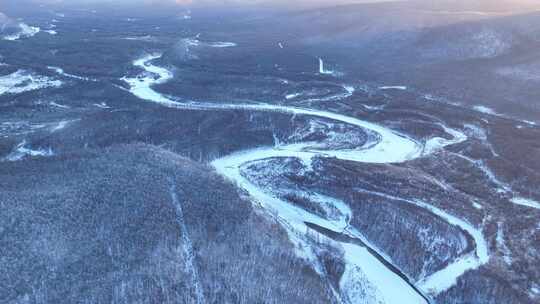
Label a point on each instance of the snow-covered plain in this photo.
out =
(365, 274)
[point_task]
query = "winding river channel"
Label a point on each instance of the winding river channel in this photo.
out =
(369, 274)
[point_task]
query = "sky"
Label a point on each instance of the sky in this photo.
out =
(217, 2)
(473, 5)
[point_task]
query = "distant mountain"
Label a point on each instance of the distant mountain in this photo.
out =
(431, 46)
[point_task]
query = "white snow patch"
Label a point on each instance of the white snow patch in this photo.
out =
(221, 44)
(61, 125)
(400, 88)
(25, 31)
(23, 81)
(60, 71)
(192, 42)
(489, 111)
(485, 110)
(477, 206)
(20, 152)
(218, 44)
(146, 38)
(358, 289)
(348, 91)
(141, 85)
(476, 131)
(54, 104)
(336, 210)
(430, 97)
(438, 143)
(373, 108)
(507, 254)
(187, 248)
(324, 71)
(186, 15)
(390, 288)
(481, 134)
(518, 200)
(292, 96)
(535, 291)
(102, 105)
